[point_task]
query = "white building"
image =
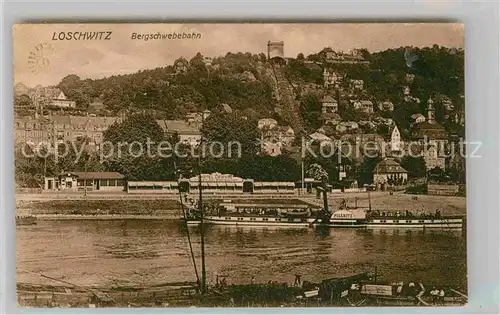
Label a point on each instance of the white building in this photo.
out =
(269, 123)
(62, 101)
(396, 143)
(389, 173)
(418, 118)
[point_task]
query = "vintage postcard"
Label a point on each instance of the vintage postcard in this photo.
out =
(240, 165)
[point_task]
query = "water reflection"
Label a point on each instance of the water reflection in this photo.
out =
(132, 252)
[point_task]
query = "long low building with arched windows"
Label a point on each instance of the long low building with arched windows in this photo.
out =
(212, 183)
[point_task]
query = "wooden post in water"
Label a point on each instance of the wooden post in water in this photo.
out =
(202, 232)
(369, 201)
(185, 221)
(325, 198)
(302, 182)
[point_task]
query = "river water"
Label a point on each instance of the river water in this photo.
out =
(149, 252)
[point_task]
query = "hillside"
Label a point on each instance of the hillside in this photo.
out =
(244, 81)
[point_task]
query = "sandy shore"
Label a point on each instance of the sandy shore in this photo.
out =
(162, 209)
(105, 217)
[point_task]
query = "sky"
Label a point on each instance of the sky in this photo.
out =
(41, 59)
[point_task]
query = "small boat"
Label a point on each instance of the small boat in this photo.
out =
(411, 294)
(25, 220)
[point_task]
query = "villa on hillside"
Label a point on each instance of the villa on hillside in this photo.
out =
(387, 173)
(187, 134)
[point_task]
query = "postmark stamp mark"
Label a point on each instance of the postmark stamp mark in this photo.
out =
(39, 58)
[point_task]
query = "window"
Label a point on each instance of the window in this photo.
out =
(104, 182)
(112, 182)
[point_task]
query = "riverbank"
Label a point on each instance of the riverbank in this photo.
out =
(171, 209)
(104, 217)
(249, 295)
(101, 208)
(119, 209)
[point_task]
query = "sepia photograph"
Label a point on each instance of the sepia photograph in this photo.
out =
(240, 165)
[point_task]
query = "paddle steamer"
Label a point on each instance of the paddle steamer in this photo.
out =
(305, 216)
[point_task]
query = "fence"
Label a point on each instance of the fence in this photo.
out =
(29, 190)
(442, 190)
(358, 190)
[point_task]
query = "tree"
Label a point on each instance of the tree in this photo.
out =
(414, 165)
(317, 172)
(438, 175)
(81, 91)
(135, 127)
(367, 168)
(230, 128)
(267, 168)
(131, 138)
(23, 101)
(300, 57)
(347, 112)
(310, 110)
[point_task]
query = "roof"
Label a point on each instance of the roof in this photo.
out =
(389, 166)
(79, 120)
(430, 130)
(162, 124)
(227, 108)
(319, 136)
(415, 116)
(48, 92)
(61, 120)
(180, 127)
(83, 120)
(327, 99)
(267, 121)
(97, 104)
(363, 137)
(96, 175)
